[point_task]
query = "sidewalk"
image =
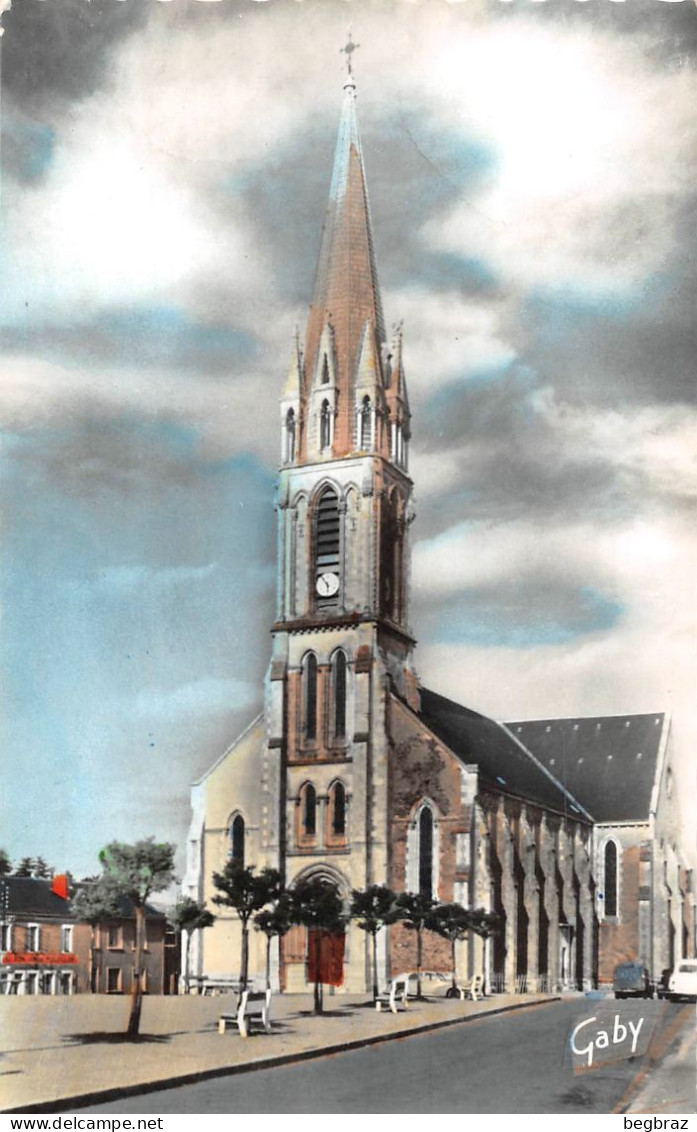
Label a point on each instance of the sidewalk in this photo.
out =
(56, 1051)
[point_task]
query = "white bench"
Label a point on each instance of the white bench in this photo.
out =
(253, 1006)
(399, 986)
(474, 989)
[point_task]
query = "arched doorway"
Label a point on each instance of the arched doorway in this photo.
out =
(313, 953)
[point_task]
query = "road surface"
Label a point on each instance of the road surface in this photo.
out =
(511, 1063)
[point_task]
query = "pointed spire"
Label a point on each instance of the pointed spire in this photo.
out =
(346, 283)
(293, 384)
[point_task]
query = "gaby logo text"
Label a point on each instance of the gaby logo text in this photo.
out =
(622, 1037)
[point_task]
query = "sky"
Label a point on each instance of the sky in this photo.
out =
(164, 172)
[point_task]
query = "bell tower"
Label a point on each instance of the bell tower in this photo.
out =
(341, 638)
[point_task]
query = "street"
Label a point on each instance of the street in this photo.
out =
(504, 1064)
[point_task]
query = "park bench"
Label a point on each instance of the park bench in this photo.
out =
(399, 986)
(254, 1006)
(473, 989)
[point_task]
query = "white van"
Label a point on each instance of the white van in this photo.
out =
(683, 982)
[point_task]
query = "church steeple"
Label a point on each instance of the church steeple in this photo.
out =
(346, 309)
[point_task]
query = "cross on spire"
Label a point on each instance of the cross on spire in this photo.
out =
(348, 51)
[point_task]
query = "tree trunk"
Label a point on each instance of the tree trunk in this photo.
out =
(245, 956)
(452, 945)
(268, 962)
(186, 963)
(318, 988)
(93, 948)
(419, 950)
(136, 992)
(375, 966)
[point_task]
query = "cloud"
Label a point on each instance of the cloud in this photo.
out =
(196, 699)
(126, 579)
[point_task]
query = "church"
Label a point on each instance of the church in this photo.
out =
(567, 829)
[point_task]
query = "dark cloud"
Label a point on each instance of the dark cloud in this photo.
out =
(521, 612)
(413, 167)
(59, 50)
(139, 336)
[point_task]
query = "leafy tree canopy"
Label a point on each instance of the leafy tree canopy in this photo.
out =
(245, 890)
(452, 921)
(276, 920)
(25, 867)
(5, 863)
(96, 901)
(414, 910)
(317, 904)
(189, 916)
(138, 870)
(374, 908)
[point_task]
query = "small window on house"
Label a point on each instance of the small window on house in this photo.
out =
(610, 878)
(237, 840)
(114, 981)
(114, 937)
(66, 938)
(365, 425)
(339, 695)
(325, 425)
(33, 937)
(310, 696)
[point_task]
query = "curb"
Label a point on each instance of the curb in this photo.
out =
(62, 1104)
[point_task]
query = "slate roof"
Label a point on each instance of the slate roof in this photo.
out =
(504, 764)
(607, 762)
(29, 896)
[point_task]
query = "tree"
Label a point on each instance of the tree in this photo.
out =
(5, 864)
(25, 867)
(375, 908)
(415, 911)
(42, 871)
(316, 904)
(454, 923)
(135, 872)
(94, 902)
(275, 921)
(189, 916)
(247, 893)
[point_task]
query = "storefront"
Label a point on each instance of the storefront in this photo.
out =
(34, 972)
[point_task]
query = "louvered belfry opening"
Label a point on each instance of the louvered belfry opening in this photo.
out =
(327, 545)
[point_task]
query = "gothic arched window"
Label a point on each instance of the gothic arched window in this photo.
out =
(310, 696)
(426, 853)
(610, 877)
(325, 371)
(339, 694)
(327, 548)
(325, 425)
(237, 840)
(309, 810)
(365, 424)
(336, 815)
(290, 437)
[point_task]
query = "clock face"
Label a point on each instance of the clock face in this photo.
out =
(327, 585)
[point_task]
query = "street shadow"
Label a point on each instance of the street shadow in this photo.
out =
(100, 1037)
(344, 1013)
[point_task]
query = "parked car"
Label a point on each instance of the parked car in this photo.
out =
(631, 980)
(662, 984)
(683, 982)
